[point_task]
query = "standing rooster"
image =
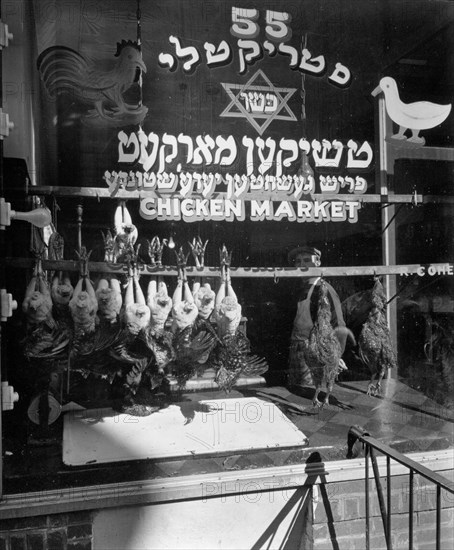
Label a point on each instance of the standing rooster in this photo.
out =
(374, 342)
(323, 351)
(65, 71)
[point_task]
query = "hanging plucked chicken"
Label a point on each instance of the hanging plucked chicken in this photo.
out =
(110, 300)
(45, 337)
(126, 235)
(192, 344)
(374, 342)
(157, 339)
(323, 351)
(232, 356)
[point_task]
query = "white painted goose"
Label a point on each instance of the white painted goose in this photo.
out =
(420, 115)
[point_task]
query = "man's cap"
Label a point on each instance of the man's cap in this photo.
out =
(312, 251)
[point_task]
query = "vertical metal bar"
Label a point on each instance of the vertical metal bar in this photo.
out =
(438, 535)
(388, 499)
(384, 186)
(367, 498)
(410, 513)
(79, 211)
(381, 498)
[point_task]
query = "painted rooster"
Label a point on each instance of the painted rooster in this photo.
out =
(323, 350)
(374, 342)
(65, 71)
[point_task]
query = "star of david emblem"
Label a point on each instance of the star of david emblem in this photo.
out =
(258, 101)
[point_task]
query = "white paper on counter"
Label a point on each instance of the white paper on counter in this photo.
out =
(186, 429)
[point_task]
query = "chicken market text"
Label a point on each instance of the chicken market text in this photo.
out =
(193, 210)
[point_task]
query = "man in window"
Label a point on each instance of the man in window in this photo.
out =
(306, 314)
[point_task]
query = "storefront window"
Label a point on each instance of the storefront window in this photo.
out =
(249, 130)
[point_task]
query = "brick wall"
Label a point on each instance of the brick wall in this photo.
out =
(338, 520)
(339, 516)
(55, 532)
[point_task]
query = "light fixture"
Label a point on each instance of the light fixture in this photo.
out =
(171, 242)
(39, 217)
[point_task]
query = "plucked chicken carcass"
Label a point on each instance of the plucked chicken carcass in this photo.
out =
(374, 342)
(136, 315)
(109, 246)
(323, 351)
(126, 235)
(155, 250)
(62, 291)
(198, 248)
(110, 300)
(156, 337)
(231, 357)
(113, 354)
(204, 298)
(37, 304)
(65, 71)
(192, 346)
(83, 307)
(146, 388)
(45, 337)
(106, 352)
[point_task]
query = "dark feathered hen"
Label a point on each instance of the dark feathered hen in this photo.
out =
(232, 358)
(192, 349)
(323, 350)
(374, 342)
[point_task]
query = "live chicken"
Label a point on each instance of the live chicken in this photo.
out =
(323, 351)
(374, 342)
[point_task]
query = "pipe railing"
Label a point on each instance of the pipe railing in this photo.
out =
(357, 433)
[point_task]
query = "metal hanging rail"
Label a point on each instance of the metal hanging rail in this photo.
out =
(275, 273)
(357, 433)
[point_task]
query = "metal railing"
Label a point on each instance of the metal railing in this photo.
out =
(357, 433)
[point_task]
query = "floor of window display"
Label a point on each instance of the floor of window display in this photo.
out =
(402, 417)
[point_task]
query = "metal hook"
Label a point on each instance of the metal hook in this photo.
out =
(275, 278)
